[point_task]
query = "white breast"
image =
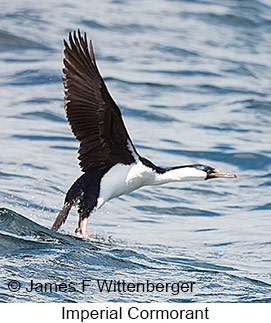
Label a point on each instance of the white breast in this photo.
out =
(123, 179)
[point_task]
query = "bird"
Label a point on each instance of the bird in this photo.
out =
(109, 161)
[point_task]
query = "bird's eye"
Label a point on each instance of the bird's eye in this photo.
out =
(205, 168)
(209, 170)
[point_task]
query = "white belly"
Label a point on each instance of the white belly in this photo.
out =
(123, 179)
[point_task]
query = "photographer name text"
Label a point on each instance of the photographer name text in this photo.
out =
(102, 286)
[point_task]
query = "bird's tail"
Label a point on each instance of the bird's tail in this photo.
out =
(62, 216)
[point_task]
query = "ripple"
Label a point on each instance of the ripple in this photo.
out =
(13, 175)
(204, 88)
(39, 101)
(92, 24)
(179, 211)
(179, 52)
(228, 127)
(43, 138)
(184, 72)
(133, 83)
(263, 106)
(34, 77)
(267, 180)
(231, 19)
(35, 166)
(63, 147)
(45, 115)
(242, 160)
(9, 41)
(148, 115)
(197, 264)
(266, 206)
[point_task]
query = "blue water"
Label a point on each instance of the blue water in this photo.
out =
(192, 79)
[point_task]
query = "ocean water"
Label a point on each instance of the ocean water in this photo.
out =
(192, 79)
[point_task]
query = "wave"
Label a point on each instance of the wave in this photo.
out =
(17, 232)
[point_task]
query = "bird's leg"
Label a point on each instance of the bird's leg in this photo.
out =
(82, 228)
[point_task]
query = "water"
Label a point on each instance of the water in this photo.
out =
(192, 79)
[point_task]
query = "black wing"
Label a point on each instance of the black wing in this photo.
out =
(94, 117)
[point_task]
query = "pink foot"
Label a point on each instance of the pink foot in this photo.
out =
(82, 230)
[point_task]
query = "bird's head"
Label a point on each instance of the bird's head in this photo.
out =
(213, 172)
(195, 172)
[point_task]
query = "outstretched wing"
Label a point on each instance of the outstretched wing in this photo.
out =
(94, 117)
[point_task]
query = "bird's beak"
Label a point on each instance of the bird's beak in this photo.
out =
(217, 174)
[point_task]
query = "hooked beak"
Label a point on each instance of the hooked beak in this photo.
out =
(217, 174)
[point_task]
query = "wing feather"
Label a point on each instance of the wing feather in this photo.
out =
(94, 117)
